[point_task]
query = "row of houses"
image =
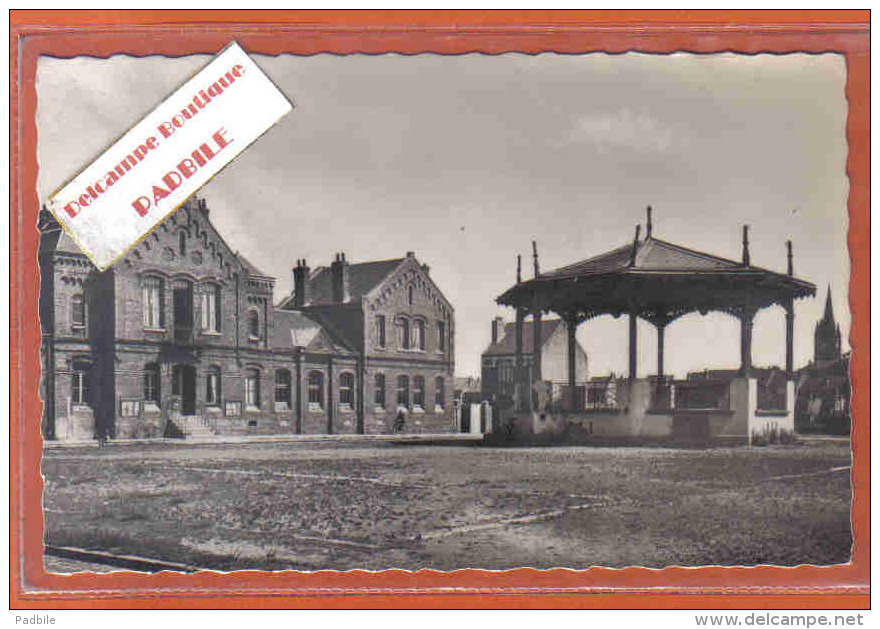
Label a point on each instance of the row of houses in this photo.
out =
(184, 336)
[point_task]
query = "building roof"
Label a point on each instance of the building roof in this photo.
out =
(249, 266)
(362, 278)
(653, 255)
(507, 343)
(293, 328)
(53, 238)
(657, 280)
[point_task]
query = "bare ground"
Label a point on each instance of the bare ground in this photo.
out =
(308, 507)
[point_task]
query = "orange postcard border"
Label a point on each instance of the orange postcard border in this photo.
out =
(176, 33)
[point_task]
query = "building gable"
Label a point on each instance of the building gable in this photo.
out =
(187, 240)
(409, 273)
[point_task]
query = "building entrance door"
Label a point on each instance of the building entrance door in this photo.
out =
(183, 384)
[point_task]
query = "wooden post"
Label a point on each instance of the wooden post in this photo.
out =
(746, 321)
(633, 344)
(661, 335)
(572, 363)
(789, 339)
(519, 375)
(331, 402)
(536, 344)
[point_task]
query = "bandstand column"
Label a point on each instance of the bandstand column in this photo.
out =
(536, 344)
(572, 363)
(633, 344)
(746, 321)
(520, 373)
(661, 335)
(789, 339)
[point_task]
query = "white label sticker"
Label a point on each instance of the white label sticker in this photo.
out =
(168, 156)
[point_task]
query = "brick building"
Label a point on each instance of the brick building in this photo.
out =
(396, 322)
(181, 336)
(499, 359)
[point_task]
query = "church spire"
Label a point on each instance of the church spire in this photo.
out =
(829, 309)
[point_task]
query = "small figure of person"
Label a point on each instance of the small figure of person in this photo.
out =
(400, 420)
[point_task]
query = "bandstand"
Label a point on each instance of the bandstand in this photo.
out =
(659, 282)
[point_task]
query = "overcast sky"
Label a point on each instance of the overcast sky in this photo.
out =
(466, 159)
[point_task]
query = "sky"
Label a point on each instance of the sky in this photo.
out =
(466, 159)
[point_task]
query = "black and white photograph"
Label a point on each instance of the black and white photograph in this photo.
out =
(460, 311)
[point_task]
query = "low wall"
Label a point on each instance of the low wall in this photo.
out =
(635, 418)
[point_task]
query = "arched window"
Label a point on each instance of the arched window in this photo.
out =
(152, 393)
(252, 389)
(419, 334)
(419, 391)
(211, 308)
(316, 391)
(181, 247)
(346, 390)
(182, 303)
(403, 339)
(410, 295)
(439, 392)
(403, 391)
(379, 386)
(153, 295)
(78, 315)
(440, 329)
(254, 324)
(380, 331)
(212, 386)
(282, 389)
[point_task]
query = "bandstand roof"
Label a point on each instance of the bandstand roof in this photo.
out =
(658, 280)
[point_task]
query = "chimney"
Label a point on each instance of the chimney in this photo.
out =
(648, 226)
(339, 279)
(518, 268)
(747, 260)
(300, 283)
(426, 269)
(203, 206)
(790, 258)
(497, 326)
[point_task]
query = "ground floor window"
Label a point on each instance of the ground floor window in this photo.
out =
(419, 391)
(151, 384)
(80, 385)
(346, 390)
(282, 389)
(316, 391)
(252, 389)
(212, 387)
(379, 398)
(403, 391)
(439, 393)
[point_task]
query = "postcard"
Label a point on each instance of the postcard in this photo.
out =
(486, 309)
